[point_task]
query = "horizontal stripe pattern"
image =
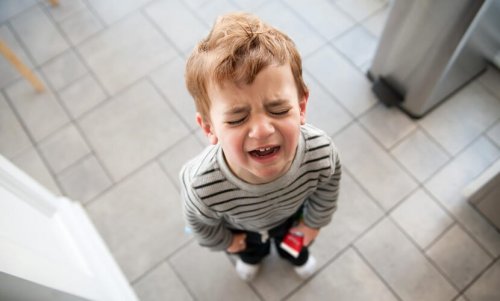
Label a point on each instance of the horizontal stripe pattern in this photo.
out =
(213, 202)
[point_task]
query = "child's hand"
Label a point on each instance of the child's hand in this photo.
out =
(309, 233)
(238, 244)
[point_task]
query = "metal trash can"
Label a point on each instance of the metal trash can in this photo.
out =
(431, 48)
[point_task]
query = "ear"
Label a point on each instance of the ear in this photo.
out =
(302, 107)
(207, 129)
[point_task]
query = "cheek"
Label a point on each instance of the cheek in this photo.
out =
(234, 143)
(291, 134)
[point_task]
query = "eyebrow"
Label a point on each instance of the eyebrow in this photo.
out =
(276, 103)
(237, 110)
(245, 109)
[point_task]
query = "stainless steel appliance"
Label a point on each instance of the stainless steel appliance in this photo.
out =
(430, 48)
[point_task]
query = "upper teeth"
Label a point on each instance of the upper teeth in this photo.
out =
(264, 149)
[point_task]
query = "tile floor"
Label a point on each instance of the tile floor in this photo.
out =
(116, 124)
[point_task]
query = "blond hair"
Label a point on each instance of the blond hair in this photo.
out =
(237, 48)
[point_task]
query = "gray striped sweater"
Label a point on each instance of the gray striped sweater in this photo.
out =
(215, 200)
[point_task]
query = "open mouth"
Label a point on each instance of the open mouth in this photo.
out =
(265, 151)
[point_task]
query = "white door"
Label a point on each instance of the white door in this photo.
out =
(49, 249)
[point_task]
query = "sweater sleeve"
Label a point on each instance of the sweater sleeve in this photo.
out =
(320, 206)
(206, 225)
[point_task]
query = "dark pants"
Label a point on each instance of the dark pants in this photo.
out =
(256, 250)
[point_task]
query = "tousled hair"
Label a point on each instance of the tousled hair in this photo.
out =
(237, 48)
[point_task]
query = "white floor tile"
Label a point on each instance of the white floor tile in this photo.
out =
(486, 288)
(173, 160)
(126, 52)
(10, 8)
(459, 257)
(41, 112)
(63, 70)
(80, 26)
(388, 125)
(462, 118)
(305, 39)
(84, 180)
(31, 163)
(169, 79)
(7, 71)
(111, 11)
(481, 229)
(140, 220)
(161, 284)
(358, 45)
(347, 278)
(360, 9)
(64, 9)
(211, 10)
(324, 16)
(375, 23)
(171, 17)
(82, 95)
(323, 110)
(356, 214)
(39, 34)
(421, 218)
(339, 77)
(276, 278)
(373, 167)
(63, 148)
(448, 185)
(210, 275)
(250, 5)
(402, 265)
(132, 128)
(420, 155)
(13, 138)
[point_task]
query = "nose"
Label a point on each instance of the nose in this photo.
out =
(261, 127)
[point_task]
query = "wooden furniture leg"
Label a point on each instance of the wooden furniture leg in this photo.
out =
(21, 67)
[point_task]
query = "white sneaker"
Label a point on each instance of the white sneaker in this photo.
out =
(246, 271)
(307, 269)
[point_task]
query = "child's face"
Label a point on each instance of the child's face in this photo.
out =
(257, 125)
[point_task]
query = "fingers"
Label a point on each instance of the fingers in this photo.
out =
(238, 244)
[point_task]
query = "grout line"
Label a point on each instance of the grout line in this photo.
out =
(328, 93)
(485, 133)
(475, 279)
(372, 198)
(349, 245)
(34, 145)
(16, 15)
(418, 248)
(72, 120)
(313, 28)
(170, 105)
(166, 260)
(376, 272)
(23, 46)
(151, 161)
(161, 32)
(160, 261)
(354, 119)
(184, 283)
(94, 12)
(425, 255)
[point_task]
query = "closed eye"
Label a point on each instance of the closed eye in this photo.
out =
(283, 112)
(236, 122)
